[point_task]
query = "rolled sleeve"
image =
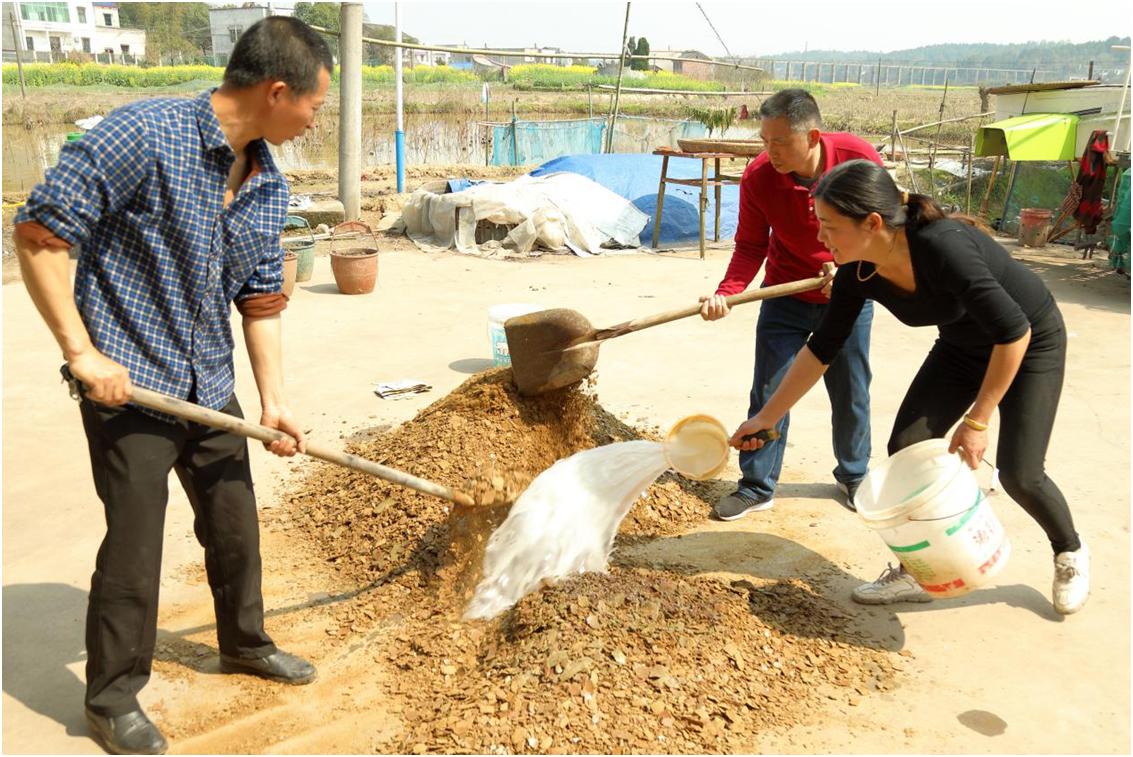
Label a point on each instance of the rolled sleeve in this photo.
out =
(95, 176)
(267, 278)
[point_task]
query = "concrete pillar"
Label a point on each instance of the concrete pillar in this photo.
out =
(350, 110)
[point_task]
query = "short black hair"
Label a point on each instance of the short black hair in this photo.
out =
(280, 48)
(795, 105)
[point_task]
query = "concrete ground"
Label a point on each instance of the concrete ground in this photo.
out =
(996, 671)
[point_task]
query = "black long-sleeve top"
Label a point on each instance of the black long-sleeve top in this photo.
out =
(967, 284)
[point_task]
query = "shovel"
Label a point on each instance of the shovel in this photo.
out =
(206, 417)
(551, 349)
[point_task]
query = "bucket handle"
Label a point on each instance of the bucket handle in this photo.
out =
(360, 226)
(980, 497)
(297, 222)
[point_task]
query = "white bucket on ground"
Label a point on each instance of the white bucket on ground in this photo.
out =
(927, 507)
(497, 316)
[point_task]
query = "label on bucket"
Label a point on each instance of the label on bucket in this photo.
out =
(498, 315)
(952, 555)
(500, 355)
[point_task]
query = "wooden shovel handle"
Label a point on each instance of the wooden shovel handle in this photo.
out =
(763, 293)
(214, 419)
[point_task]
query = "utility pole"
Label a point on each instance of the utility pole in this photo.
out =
(399, 135)
(350, 109)
(16, 41)
(618, 90)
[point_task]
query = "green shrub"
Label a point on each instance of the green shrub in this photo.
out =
(383, 75)
(90, 74)
(665, 80)
(438, 75)
(545, 76)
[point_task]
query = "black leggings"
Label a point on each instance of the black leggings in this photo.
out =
(945, 388)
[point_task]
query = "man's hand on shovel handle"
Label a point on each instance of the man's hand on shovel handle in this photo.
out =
(283, 419)
(714, 307)
(104, 381)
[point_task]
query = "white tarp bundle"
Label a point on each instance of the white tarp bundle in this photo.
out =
(554, 212)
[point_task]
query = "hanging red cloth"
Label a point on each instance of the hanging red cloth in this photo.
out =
(1092, 168)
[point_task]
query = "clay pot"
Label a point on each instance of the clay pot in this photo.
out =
(355, 269)
(290, 270)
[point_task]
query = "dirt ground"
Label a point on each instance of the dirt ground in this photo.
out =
(996, 671)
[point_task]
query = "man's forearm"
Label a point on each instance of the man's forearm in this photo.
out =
(263, 337)
(742, 268)
(46, 273)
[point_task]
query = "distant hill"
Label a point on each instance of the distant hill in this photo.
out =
(1069, 58)
(971, 64)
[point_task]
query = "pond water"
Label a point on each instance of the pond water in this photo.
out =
(430, 139)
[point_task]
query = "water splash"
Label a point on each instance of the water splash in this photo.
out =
(564, 523)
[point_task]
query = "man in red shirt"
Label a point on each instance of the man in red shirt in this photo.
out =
(777, 226)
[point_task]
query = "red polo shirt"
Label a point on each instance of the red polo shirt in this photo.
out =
(777, 222)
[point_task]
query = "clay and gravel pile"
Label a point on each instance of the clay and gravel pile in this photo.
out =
(487, 440)
(636, 660)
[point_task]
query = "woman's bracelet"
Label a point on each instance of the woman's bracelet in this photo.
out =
(972, 423)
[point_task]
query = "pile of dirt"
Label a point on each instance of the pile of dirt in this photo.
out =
(485, 439)
(633, 661)
(643, 660)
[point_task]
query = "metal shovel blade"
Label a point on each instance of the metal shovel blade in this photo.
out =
(550, 349)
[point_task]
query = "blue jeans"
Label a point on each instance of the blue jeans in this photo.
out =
(783, 328)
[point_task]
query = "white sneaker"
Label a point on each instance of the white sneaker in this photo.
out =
(893, 585)
(1071, 580)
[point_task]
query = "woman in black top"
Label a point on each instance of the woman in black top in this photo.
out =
(1002, 345)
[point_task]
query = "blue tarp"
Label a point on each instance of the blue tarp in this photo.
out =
(635, 177)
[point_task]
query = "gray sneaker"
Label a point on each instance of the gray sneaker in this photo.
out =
(737, 505)
(893, 585)
(850, 491)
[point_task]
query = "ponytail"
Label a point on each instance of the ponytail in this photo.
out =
(922, 210)
(857, 188)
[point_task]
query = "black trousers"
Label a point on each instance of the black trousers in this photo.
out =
(945, 388)
(131, 456)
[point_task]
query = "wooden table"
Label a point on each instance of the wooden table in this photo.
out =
(716, 181)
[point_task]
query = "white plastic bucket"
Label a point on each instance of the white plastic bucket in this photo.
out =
(497, 316)
(697, 447)
(928, 509)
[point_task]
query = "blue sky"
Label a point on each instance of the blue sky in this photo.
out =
(756, 27)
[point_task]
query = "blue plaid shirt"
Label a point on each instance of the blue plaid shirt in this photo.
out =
(162, 259)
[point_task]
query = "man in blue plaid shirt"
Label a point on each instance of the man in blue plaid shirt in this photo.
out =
(178, 207)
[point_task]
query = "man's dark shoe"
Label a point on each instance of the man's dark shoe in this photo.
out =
(277, 666)
(132, 733)
(850, 491)
(737, 505)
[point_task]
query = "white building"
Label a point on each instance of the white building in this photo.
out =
(227, 24)
(52, 31)
(425, 58)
